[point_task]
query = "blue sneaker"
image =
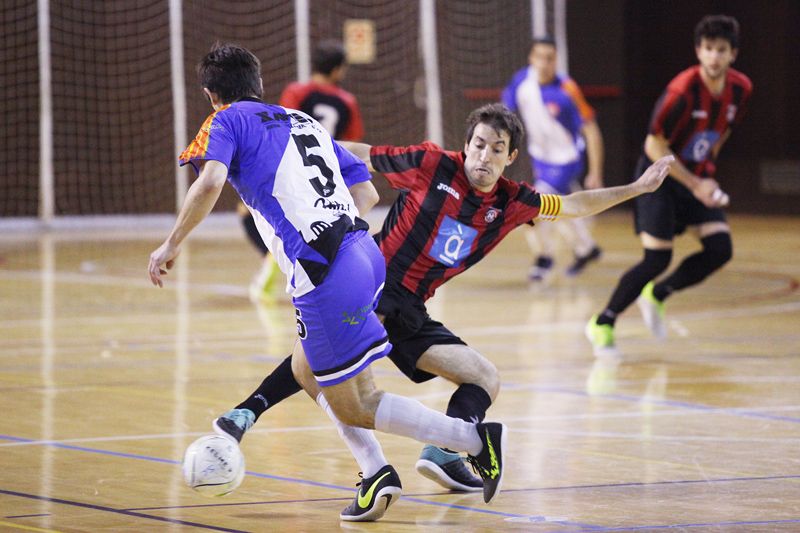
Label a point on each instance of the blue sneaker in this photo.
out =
(447, 469)
(234, 423)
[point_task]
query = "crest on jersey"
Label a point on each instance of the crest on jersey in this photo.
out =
(731, 114)
(491, 215)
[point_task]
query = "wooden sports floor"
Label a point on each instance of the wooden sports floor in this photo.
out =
(105, 380)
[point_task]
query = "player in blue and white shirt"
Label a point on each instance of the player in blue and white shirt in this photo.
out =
(294, 177)
(561, 128)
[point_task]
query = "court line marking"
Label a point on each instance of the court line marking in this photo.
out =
(669, 403)
(691, 525)
(250, 473)
(12, 525)
(117, 511)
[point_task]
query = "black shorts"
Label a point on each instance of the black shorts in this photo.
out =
(411, 330)
(670, 209)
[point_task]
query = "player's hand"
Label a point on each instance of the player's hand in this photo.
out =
(593, 181)
(654, 176)
(709, 193)
(165, 255)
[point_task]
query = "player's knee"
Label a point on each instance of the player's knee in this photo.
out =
(718, 247)
(360, 412)
(489, 379)
(655, 262)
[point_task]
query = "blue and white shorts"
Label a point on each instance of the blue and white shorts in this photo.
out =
(338, 328)
(561, 178)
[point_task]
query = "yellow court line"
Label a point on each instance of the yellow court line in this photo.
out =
(28, 528)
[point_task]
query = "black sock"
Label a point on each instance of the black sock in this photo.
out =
(253, 234)
(717, 250)
(275, 388)
(469, 402)
(633, 281)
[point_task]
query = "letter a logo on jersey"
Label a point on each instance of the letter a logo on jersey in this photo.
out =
(453, 242)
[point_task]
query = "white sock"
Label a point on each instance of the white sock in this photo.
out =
(363, 445)
(407, 417)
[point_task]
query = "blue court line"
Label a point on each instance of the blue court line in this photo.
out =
(117, 511)
(265, 476)
(668, 403)
(29, 515)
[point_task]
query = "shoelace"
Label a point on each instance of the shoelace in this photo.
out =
(361, 475)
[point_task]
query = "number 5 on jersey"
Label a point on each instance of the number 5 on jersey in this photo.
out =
(304, 143)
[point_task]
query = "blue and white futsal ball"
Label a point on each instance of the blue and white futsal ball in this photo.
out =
(213, 466)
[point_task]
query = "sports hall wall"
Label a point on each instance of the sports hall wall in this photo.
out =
(112, 95)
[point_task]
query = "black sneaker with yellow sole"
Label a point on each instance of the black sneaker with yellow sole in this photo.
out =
(374, 496)
(489, 462)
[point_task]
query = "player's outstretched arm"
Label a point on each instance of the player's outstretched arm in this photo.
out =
(591, 202)
(360, 150)
(200, 198)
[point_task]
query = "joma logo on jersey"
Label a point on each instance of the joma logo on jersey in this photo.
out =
(449, 190)
(453, 242)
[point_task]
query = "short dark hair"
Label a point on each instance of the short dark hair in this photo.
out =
(544, 39)
(327, 56)
(500, 119)
(230, 71)
(717, 27)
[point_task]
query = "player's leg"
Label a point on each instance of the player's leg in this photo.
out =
(584, 247)
(656, 225)
(478, 383)
(541, 237)
(275, 388)
(717, 250)
(711, 228)
(357, 402)
(542, 245)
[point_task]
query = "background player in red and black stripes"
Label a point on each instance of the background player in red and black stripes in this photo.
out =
(333, 107)
(692, 120)
(453, 209)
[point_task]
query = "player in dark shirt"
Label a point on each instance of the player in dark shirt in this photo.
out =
(453, 209)
(692, 120)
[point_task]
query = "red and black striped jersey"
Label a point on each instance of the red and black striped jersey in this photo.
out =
(332, 106)
(439, 226)
(693, 120)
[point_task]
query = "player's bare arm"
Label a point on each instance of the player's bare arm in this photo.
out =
(594, 153)
(200, 199)
(704, 189)
(364, 196)
(360, 150)
(591, 202)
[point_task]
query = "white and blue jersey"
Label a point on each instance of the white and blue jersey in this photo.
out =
(292, 176)
(553, 114)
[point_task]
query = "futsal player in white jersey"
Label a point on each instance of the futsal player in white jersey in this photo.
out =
(561, 128)
(294, 178)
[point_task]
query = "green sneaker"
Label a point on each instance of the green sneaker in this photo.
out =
(652, 312)
(602, 338)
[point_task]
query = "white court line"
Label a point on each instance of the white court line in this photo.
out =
(123, 438)
(122, 281)
(664, 412)
(649, 437)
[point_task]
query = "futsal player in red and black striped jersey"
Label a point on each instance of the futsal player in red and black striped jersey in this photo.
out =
(692, 120)
(453, 209)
